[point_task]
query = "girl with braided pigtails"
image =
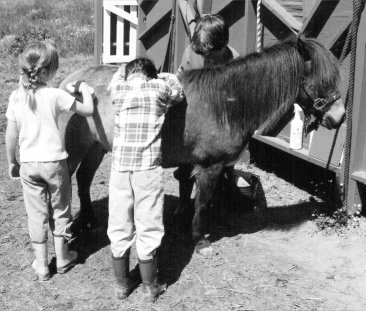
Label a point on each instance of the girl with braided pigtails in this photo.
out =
(32, 116)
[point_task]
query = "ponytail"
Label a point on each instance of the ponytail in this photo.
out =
(27, 88)
(28, 85)
(36, 56)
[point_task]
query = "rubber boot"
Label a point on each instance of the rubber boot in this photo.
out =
(125, 283)
(65, 259)
(149, 271)
(40, 264)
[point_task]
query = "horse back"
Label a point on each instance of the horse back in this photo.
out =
(80, 132)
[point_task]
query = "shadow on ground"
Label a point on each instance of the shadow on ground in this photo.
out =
(91, 241)
(241, 213)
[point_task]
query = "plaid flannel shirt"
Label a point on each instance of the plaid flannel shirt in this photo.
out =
(140, 106)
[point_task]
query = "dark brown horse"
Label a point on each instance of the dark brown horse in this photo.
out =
(226, 104)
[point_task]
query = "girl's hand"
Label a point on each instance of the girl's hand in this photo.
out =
(14, 170)
(83, 104)
(74, 87)
(118, 77)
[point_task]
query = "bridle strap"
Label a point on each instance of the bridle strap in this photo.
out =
(318, 104)
(318, 107)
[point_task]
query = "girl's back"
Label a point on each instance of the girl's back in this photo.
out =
(39, 138)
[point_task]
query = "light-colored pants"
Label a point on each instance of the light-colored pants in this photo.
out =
(47, 193)
(136, 212)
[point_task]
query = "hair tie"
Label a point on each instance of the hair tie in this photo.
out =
(32, 75)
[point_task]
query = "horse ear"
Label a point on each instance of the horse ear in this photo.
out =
(302, 48)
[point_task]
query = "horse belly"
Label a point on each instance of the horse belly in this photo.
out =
(211, 143)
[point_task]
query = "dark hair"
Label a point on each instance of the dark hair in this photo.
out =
(141, 65)
(211, 33)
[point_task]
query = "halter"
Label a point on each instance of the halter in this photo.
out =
(318, 107)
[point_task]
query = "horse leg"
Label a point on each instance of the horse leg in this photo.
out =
(84, 178)
(206, 181)
(184, 175)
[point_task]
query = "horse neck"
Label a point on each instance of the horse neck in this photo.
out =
(248, 91)
(269, 84)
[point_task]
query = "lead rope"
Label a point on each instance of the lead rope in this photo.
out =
(169, 54)
(259, 26)
(352, 40)
(171, 51)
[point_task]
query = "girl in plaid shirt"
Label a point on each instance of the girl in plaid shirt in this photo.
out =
(136, 195)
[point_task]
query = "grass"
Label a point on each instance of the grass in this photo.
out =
(68, 24)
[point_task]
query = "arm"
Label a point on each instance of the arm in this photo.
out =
(183, 63)
(180, 71)
(11, 137)
(86, 108)
(117, 79)
(176, 90)
(234, 52)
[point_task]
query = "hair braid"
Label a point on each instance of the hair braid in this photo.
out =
(36, 57)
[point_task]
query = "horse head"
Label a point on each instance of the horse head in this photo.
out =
(319, 95)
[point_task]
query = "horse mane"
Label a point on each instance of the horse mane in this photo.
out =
(262, 85)
(324, 74)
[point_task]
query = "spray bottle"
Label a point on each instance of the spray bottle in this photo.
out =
(296, 129)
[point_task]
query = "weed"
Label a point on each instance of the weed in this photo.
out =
(25, 37)
(338, 222)
(67, 23)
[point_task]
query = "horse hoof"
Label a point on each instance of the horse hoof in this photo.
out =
(206, 252)
(79, 229)
(75, 229)
(204, 247)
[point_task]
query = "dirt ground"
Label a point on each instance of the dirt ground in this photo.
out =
(285, 263)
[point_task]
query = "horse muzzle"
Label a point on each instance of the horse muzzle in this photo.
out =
(335, 116)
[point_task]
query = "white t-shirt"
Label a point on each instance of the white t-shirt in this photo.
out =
(39, 137)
